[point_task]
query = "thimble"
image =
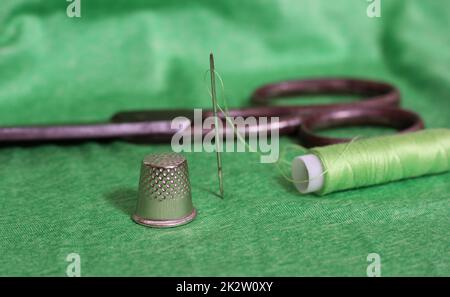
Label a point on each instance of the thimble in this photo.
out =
(164, 192)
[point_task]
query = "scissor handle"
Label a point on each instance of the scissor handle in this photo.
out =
(400, 119)
(373, 93)
(376, 107)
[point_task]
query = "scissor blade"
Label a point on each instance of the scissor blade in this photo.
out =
(84, 132)
(135, 126)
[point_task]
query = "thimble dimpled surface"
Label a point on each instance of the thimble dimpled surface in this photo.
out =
(164, 188)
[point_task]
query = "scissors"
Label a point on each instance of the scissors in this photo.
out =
(378, 105)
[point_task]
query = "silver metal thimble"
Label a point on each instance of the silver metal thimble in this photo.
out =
(164, 192)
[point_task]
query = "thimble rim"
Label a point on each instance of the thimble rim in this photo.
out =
(165, 223)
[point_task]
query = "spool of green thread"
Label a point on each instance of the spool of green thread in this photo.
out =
(372, 161)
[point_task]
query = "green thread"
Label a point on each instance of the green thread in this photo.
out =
(283, 166)
(384, 159)
(368, 161)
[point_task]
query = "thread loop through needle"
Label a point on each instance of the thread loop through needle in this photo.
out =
(216, 123)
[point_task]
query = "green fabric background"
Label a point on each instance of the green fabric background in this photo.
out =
(140, 54)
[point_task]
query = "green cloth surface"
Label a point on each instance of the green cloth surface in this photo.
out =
(140, 54)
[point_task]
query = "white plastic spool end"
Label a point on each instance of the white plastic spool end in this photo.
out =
(307, 173)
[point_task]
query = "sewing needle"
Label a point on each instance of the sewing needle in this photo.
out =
(216, 122)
